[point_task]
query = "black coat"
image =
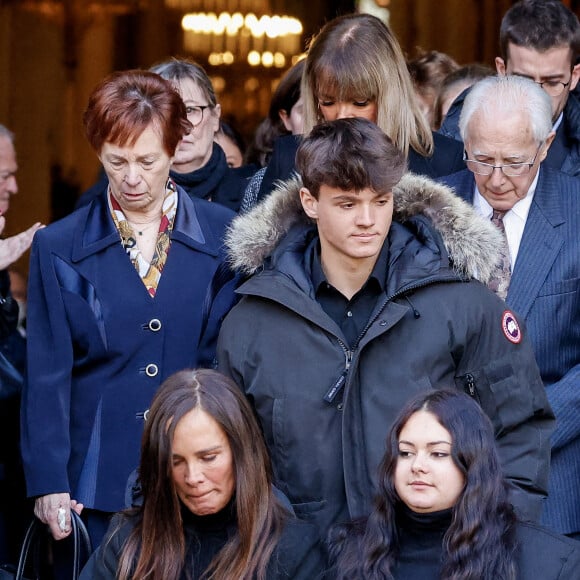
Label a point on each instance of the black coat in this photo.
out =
(297, 556)
(326, 408)
(540, 553)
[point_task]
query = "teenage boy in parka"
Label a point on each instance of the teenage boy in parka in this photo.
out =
(349, 312)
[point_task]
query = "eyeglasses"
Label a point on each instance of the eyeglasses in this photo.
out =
(195, 114)
(6, 176)
(509, 169)
(553, 88)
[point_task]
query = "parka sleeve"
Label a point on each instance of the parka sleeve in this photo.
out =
(499, 369)
(45, 410)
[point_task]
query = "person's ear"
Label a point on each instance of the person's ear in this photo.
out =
(216, 114)
(500, 66)
(285, 118)
(309, 203)
(549, 140)
(575, 77)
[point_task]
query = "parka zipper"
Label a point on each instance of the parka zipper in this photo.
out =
(338, 385)
(469, 386)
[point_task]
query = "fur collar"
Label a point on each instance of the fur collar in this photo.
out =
(473, 243)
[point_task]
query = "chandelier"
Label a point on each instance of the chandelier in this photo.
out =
(234, 31)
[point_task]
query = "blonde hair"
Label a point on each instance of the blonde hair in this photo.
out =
(356, 56)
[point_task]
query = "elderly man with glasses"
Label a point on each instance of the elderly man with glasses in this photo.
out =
(506, 125)
(540, 40)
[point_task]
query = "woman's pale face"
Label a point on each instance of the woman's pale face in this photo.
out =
(426, 478)
(202, 466)
(195, 149)
(138, 173)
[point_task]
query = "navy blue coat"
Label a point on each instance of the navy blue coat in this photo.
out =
(99, 345)
(545, 292)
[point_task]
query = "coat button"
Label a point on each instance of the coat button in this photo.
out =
(155, 325)
(151, 370)
(339, 406)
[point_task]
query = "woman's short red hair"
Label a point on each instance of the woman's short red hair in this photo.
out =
(125, 103)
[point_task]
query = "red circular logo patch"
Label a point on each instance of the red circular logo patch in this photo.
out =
(510, 327)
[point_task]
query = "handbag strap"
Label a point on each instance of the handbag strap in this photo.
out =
(80, 538)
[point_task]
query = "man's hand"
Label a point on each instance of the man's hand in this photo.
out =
(46, 510)
(13, 247)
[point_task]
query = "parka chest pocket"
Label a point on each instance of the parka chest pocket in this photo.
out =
(506, 401)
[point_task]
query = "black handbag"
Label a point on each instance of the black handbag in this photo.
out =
(35, 534)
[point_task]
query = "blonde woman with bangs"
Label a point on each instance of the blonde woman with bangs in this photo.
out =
(356, 68)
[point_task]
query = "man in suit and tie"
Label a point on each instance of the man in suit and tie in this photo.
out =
(507, 130)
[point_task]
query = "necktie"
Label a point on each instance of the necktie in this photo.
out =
(500, 280)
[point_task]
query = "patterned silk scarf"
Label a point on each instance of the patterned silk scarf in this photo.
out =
(150, 273)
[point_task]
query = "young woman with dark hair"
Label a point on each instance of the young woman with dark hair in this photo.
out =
(209, 510)
(442, 509)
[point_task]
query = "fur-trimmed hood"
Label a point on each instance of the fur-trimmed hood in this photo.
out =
(473, 243)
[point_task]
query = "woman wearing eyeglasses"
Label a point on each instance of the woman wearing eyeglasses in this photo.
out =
(200, 165)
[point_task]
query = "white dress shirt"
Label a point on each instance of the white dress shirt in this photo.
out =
(514, 220)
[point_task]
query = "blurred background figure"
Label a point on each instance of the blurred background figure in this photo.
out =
(208, 506)
(453, 85)
(285, 117)
(442, 508)
(232, 143)
(428, 70)
(123, 292)
(14, 511)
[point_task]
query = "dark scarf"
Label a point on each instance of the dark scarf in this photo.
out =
(204, 181)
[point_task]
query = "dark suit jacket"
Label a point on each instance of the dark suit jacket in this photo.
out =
(447, 158)
(545, 291)
(99, 345)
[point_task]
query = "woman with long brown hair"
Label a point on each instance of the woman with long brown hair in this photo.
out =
(209, 510)
(442, 510)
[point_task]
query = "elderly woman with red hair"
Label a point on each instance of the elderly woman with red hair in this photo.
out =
(123, 293)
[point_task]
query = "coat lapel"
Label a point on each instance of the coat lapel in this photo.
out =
(97, 231)
(540, 245)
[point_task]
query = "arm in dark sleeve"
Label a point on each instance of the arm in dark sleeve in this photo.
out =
(8, 306)
(499, 369)
(46, 395)
(564, 397)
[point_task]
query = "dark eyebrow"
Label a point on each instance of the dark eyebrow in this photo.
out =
(203, 451)
(430, 444)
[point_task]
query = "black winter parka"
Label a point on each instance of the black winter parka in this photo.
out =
(325, 407)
